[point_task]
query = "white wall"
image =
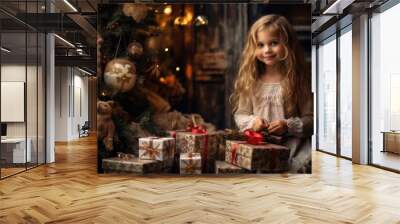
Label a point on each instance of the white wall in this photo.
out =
(33, 127)
(61, 103)
(16, 73)
(71, 102)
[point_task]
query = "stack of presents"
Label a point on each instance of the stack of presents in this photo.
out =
(197, 151)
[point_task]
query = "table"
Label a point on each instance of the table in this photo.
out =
(13, 150)
(391, 141)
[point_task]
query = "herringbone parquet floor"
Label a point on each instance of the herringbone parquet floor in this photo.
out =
(70, 191)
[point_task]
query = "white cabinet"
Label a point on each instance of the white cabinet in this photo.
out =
(17, 147)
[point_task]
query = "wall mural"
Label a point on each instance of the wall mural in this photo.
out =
(204, 88)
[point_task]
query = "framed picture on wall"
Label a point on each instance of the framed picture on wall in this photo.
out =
(171, 76)
(12, 101)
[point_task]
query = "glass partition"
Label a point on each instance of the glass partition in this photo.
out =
(385, 89)
(15, 151)
(22, 89)
(327, 95)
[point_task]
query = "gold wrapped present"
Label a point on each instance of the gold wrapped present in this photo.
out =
(132, 165)
(190, 163)
(264, 157)
(155, 148)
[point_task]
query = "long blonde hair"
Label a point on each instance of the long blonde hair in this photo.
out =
(296, 82)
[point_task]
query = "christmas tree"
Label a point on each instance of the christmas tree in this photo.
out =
(136, 71)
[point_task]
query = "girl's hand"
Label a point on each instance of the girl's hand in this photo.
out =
(278, 127)
(259, 124)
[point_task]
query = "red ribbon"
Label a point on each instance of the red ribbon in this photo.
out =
(173, 134)
(234, 155)
(200, 129)
(253, 137)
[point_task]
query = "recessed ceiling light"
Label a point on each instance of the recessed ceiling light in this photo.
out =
(64, 40)
(338, 6)
(5, 50)
(84, 71)
(70, 5)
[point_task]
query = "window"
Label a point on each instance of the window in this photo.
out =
(385, 85)
(327, 95)
(345, 92)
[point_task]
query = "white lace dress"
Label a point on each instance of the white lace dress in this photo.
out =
(266, 101)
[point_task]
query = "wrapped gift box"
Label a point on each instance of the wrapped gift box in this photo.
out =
(154, 148)
(205, 144)
(134, 165)
(190, 163)
(265, 157)
(196, 143)
(223, 136)
(222, 167)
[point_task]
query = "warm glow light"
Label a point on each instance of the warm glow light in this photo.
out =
(189, 16)
(179, 21)
(178, 69)
(200, 21)
(189, 71)
(162, 80)
(168, 10)
(163, 24)
(184, 20)
(166, 49)
(170, 80)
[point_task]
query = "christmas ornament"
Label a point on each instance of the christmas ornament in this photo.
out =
(137, 11)
(135, 49)
(120, 75)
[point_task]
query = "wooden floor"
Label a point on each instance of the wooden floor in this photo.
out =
(70, 191)
(5, 172)
(387, 159)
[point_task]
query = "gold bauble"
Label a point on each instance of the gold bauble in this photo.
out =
(120, 75)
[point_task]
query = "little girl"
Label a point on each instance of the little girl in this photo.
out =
(273, 88)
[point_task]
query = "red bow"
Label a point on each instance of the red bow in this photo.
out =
(197, 129)
(173, 134)
(253, 137)
(201, 129)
